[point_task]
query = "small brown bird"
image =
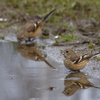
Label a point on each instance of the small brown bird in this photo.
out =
(76, 81)
(32, 29)
(75, 61)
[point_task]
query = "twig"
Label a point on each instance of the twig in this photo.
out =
(65, 44)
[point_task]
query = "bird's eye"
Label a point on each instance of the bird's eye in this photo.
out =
(66, 51)
(68, 93)
(22, 38)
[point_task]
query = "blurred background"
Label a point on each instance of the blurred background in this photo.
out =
(73, 20)
(75, 9)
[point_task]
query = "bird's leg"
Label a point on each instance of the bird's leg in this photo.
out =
(29, 40)
(74, 71)
(32, 39)
(26, 40)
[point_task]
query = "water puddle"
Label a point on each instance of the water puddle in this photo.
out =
(26, 74)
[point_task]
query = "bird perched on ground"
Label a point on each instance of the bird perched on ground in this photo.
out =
(75, 61)
(32, 29)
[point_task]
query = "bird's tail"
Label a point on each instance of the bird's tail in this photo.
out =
(49, 14)
(89, 56)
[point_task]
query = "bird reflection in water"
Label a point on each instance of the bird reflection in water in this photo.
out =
(32, 52)
(76, 81)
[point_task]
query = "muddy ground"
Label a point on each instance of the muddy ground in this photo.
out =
(25, 75)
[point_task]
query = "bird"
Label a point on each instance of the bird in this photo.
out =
(76, 81)
(76, 61)
(31, 29)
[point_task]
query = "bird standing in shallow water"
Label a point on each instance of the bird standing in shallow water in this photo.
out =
(75, 61)
(32, 29)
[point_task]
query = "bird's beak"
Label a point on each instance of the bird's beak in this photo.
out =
(62, 52)
(18, 41)
(63, 92)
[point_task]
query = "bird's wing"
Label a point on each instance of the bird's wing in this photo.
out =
(82, 57)
(79, 59)
(30, 27)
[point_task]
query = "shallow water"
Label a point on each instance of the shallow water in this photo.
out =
(23, 78)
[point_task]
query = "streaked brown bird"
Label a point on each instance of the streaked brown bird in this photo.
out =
(75, 61)
(32, 29)
(76, 81)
